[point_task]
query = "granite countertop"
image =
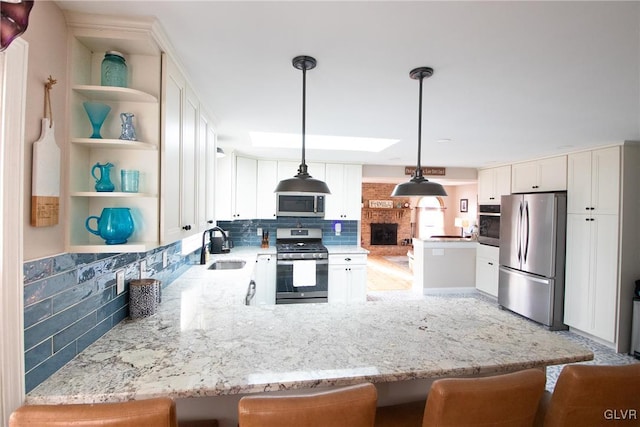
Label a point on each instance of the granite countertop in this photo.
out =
(204, 342)
(346, 249)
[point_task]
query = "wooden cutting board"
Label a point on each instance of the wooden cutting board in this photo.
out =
(45, 178)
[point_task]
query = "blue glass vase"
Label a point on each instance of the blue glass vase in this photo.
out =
(115, 225)
(97, 113)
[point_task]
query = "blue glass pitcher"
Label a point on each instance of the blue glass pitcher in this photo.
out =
(103, 183)
(115, 225)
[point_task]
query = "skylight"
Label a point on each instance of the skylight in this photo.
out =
(320, 142)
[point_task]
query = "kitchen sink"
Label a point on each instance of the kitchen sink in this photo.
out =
(227, 264)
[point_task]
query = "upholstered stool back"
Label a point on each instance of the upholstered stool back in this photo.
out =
(160, 412)
(353, 406)
(509, 400)
(590, 395)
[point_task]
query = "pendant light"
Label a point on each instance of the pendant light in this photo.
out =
(302, 182)
(418, 185)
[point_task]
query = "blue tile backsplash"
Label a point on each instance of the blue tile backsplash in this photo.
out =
(70, 301)
(244, 232)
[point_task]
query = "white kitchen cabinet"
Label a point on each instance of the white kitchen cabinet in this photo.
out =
(347, 278)
(539, 175)
(180, 158)
(592, 274)
(267, 182)
(593, 178)
(225, 184)
(89, 36)
(246, 181)
(345, 183)
(265, 278)
(493, 183)
(210, 167)
(602, 243)
(487, 266)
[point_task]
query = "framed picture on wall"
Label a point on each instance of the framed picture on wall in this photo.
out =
(464, 205)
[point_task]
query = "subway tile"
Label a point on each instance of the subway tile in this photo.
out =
(77, 329)
(49, 366)
(45, 288)
(37, 312)
(120, 315)
(74, 295)
(35, 270)
(93, 334)
(38, 354)
(112, 306)
(67, 261)
(62, 320)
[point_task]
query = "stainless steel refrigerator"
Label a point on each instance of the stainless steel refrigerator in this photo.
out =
(532, 256)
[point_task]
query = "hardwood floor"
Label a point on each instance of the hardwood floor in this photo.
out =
(388, 274)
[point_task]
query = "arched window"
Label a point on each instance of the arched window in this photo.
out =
(430, 217)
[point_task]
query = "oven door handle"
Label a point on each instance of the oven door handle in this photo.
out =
(287, 262)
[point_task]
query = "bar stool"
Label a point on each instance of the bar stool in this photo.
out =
(589, 395)
(353, 406)
(157, 412)
(508, 400)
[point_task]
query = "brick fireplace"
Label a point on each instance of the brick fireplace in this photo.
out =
(380, 221)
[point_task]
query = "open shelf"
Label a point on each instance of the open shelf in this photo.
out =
(104, 248)
(114, 143)
(109, 194)
(114, 93)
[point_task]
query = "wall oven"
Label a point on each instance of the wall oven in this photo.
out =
(489, 225)
(302, 266)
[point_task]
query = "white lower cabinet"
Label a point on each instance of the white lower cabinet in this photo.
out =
(592, 274)
(347, 278)
(265, 278)
(487, 269)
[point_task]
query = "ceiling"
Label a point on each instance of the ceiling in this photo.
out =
(512, 80)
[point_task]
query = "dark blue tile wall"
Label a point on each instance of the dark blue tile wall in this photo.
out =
(70, 301)
(244, 232)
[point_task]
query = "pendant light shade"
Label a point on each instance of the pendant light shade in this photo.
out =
(302, 182)
(418, 185)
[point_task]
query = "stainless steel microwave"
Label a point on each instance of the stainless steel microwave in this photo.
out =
(300, 204)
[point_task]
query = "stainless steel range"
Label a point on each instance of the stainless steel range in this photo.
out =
(302, 267)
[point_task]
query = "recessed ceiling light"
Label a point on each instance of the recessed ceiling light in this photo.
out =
(320, 142)
(444, 140)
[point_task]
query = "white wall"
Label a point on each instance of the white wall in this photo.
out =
(47, 38)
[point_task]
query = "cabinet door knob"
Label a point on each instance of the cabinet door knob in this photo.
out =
(347, 259)
(490, 263)
(210, 221)
(187, 227)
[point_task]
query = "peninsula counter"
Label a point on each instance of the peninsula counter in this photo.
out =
(204, 342)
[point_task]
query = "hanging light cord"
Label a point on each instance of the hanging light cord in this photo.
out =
(303, 165)
(418, 173)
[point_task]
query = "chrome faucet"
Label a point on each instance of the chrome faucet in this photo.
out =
(203, 257)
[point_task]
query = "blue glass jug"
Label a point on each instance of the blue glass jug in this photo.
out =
(115, 225)
(103, 182)
(113, 69)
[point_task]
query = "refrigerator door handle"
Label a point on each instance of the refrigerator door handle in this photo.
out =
(519, 233)
(526, 228)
